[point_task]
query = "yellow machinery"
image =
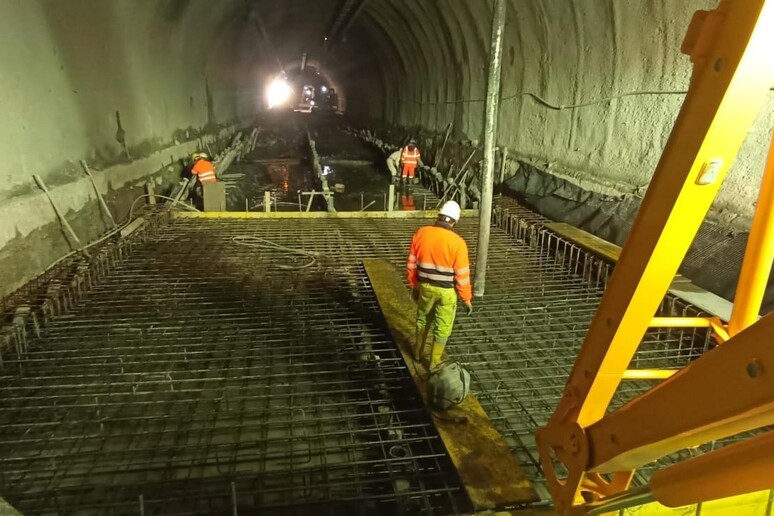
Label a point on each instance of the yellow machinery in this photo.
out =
(589, 454)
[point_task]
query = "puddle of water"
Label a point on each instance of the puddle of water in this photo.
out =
(363, 185)
(247, 182)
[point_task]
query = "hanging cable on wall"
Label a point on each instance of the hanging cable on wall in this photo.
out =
(556, 107)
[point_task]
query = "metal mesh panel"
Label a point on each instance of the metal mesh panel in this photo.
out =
(198, 377)
(200, 374)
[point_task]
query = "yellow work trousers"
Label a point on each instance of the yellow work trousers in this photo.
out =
(436, 306)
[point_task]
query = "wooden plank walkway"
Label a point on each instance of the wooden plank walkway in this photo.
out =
(489, 472)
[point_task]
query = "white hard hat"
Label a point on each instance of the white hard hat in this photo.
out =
(452, 210)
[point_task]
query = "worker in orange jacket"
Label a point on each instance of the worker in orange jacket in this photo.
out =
(438, 270)
(410, 159)
(204, 172)
(202, 168)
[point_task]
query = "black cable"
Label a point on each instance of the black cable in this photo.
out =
(557, 107)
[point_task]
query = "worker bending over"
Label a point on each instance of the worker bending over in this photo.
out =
(437, 266)
(202, 168)
(393, 164)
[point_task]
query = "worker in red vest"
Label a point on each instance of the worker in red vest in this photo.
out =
(202, 168)
(410, 159)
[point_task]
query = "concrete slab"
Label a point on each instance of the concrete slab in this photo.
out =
(491, 476)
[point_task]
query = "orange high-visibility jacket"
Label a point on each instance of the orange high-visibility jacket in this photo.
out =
(439, 256)
(204, 170)
(410, 158)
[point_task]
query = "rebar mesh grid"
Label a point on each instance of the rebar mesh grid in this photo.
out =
(199, 362)
(198, 378)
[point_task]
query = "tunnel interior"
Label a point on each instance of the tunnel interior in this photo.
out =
(589, 96)
(151, 384)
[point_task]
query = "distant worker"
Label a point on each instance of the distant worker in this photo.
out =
(437, 266)
(334, 98)
(410, 159)
(204, 172)
(202, 168)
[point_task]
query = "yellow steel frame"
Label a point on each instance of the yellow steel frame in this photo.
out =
(731, 49)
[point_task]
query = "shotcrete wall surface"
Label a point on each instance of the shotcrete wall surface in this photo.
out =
(558, 54)
(129, 90)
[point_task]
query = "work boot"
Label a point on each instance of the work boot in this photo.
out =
(436, 354)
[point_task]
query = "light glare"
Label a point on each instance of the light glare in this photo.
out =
(278, 92)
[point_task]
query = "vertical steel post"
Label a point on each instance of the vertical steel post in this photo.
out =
(391, 198)
(490, 138)
(758, 256)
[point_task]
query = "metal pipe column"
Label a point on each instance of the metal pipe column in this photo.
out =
(490, 139)
(758, 256)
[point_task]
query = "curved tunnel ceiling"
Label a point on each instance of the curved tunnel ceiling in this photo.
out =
(166, 66)
(424, 63)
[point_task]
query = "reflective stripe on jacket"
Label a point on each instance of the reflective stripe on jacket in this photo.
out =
(410, 158)
(439, 256)
(205, 171)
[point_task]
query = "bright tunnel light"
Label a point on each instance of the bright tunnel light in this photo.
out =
(278, 92)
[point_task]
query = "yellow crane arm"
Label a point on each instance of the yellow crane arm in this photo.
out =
(731, 49)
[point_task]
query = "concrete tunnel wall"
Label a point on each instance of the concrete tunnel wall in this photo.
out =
(128, 87)
(177, 69)
(566, 53)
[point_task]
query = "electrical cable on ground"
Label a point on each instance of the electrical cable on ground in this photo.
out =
(262, 243)
(175, 202)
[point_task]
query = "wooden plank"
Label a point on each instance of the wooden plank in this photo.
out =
(585, 240)
(491, 476)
